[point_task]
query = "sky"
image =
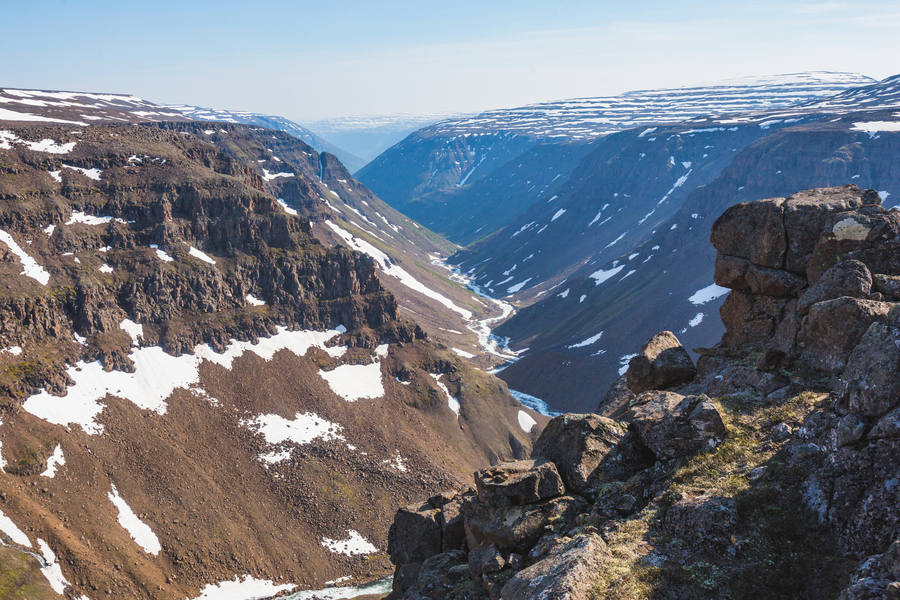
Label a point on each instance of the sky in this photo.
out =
(314, 60)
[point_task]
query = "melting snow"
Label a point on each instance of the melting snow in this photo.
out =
(57, 459)
(161, 255)
(876, 126)
(270, 176)
(518, 287)
(452, 402)
(89, 173)
(355, 382)
(246, 589)
(46, 145)
(303, 429)
(587, 342)
(601, 275)
(133, 329)
(80, 217)
(526, 422)
(56, 175)
(14, 350)
(710, 292)
(558, 214)
(30, 268)
(53, 572)
(156, 375)
(393, 270)
(202, 256)
(565, 294)
(139, 531)
(254, 301)
(13, 532)
(287, 208)
(463, 353)
(104, 268)
(356, 544)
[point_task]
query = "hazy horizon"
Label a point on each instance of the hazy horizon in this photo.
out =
(310, 62)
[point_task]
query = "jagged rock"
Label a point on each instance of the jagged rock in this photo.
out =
(545, 546)
(833, 328)
(662, 363)
(753, 231)
(704, 520)
(476, 518)
(751, 319)
(589, 451)
(870, 383)
(889, 285)
(672, 425)
(485, 559)
(805, 215)
(517, 528)
(518, 482)
(568, 573)
(847, 278)
(415, 534)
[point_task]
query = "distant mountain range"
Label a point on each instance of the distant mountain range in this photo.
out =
(593, 216)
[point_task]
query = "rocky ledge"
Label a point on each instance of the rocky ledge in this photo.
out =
(769, 470)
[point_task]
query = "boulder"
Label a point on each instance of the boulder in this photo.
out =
(868, 234)
(672, 425)
(476, 517)
(518, 482)
(752, 230)
(440, 573)
(662, 363)
(889, 285)
(415, 534)
(847, 278)
(742, 275)
(708, 521)
(453, 530)
(485, 559)
(751, 319)
(518, 528)
(806, 213)
(870, 383)
(589, 450)
(569, 572)
(833, 328)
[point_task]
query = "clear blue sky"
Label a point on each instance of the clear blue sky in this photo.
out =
(307, 60)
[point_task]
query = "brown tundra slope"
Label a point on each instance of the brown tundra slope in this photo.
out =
(193, 388)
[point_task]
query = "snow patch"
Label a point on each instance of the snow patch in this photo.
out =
(89, 173)
(201, 255)
(623, 363)
(452, 402)
(247, 588)
(30, 268)
(564, 294)
(134, 330)
(12, 532)
(254, 301)
(587, 342)
(139, 531)
(558, 214)
(355, 544)
(526, 421)
(287, 208)
(463, 353)
(57, 459)
(271, 176)
(601, 275)
(355, 382)
(710, 292)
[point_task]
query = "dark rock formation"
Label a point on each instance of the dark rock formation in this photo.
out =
(662, 363)
(672, 425)
(518, 482)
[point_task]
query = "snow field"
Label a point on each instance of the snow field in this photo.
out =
(355, 544)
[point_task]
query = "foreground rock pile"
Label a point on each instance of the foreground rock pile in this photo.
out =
(770, 469)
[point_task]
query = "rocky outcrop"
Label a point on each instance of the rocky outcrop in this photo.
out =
(672, 425)
(518, 482)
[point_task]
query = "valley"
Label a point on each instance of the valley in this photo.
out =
(239, 361)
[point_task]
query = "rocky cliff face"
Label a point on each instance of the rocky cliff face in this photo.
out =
(194, 388)
(768, 471)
